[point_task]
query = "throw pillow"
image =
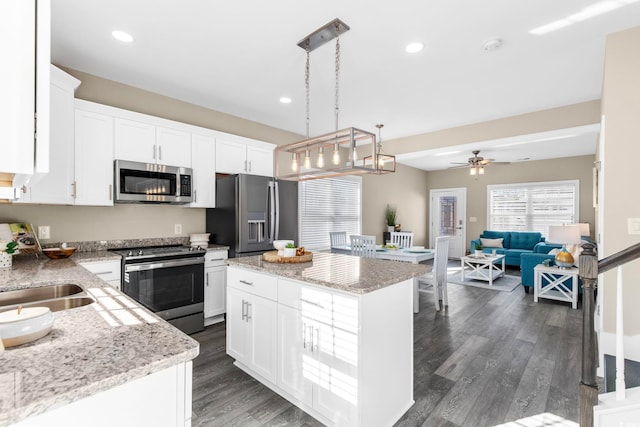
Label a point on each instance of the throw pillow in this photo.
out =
(491, 243)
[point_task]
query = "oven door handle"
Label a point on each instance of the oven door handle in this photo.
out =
(163, 264)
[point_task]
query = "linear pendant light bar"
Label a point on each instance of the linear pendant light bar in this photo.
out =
(324, 34)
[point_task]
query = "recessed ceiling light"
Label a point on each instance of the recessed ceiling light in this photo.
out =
(285, 100)
(414, 47)
(122, 36)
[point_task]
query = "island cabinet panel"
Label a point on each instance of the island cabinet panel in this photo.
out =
(345, 358)
(252, 321)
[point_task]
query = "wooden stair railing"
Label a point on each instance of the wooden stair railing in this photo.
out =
(589, 269)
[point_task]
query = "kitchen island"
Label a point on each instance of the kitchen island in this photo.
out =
(111, 362)
(334, 336)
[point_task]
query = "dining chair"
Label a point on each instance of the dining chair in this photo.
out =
(402, 239)
(338, 238)
(364, 246)
(437, 277)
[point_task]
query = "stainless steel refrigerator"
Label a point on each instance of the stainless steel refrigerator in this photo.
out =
(251, 212)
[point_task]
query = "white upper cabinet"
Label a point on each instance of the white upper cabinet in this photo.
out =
(93, 156)
(58, 187)
(203, 163)
(142, 141)
(22, 154)
(244, 156)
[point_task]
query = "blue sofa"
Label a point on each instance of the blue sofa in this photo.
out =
(515, 243)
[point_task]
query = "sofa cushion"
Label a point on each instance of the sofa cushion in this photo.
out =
(492, 243)
(505, 235)
(524, 240)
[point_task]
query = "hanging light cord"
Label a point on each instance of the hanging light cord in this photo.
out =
(337, 96)
(307, 75)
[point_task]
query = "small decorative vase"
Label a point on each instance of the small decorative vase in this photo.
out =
(6, 261)
(391, 228)
(289, 252)
(564, 259)
(478, 253)
(398, 227)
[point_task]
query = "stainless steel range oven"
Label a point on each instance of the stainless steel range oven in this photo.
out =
(168, 280)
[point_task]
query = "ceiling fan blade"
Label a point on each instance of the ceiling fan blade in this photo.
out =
(459, 163)
(458, 167)
(500, 163)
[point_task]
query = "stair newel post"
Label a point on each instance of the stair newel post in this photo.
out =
(588, 386)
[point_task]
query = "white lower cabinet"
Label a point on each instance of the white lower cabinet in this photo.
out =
(159, 399)
(215, 286)
(109, 271)
(251, 321)
(346, 359)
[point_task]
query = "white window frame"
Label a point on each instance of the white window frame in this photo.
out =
(545, 233)
(326, 244)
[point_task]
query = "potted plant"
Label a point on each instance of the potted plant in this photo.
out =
(290, 250)
(478, 251)
(390, 215)
(7, 249)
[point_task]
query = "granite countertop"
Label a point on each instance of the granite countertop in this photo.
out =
(90, 349)
(348, 273)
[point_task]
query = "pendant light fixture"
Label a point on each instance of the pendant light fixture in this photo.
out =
(342, 144)
(383, 163)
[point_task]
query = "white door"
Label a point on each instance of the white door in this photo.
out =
(135, 141)
(447, 218)
(215, 301)
(231, 157)
(263, 324)
(173, 147)
(294, 355)
(203, 162)
(237, 325)
(259, 161)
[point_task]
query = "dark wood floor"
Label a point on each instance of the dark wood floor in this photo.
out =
(489, 358)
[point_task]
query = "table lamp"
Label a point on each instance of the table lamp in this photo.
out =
(564, 235)
(585, 230)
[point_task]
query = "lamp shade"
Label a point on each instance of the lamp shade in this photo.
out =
(564, 234)
(584, 229)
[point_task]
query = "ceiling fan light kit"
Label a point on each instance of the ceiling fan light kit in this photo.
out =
(476, 164)
(342, 144)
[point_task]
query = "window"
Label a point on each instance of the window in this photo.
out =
(329, 204)
(532, 206)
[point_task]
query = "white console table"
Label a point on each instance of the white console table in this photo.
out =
(556, 288)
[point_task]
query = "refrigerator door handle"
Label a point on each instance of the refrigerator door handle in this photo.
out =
(277, 205)
(271, 208)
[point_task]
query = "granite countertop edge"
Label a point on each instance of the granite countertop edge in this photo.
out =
(376, 274)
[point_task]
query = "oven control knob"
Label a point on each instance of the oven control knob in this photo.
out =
(130, 253)
(140, 252)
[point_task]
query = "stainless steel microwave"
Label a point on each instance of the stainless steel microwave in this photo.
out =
(137, 182)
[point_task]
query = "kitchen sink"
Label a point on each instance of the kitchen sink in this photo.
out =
(23, 296)
(56, 297)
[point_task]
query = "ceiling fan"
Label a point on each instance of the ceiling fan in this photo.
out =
(477, 163)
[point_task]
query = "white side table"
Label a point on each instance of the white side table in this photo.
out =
(556, 289)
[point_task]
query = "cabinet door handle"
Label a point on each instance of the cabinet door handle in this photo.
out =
(195, 196)
(110, 191)
(160, 152)
(206, 279)
(245, 166)
(73, 191)
(246, 283)
(154, 152)
(304, 336)
(311, 333)
(312, 303)
(249, 162)
(244, 313)
(248, 307)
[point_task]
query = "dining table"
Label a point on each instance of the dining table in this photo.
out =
(413, 255)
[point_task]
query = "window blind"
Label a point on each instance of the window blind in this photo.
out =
(329, 204)
(532, 206)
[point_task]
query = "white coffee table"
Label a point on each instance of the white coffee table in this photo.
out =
(487, 267)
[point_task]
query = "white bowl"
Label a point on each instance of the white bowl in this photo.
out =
(280, 244)
(32, 323)
(199, 237)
